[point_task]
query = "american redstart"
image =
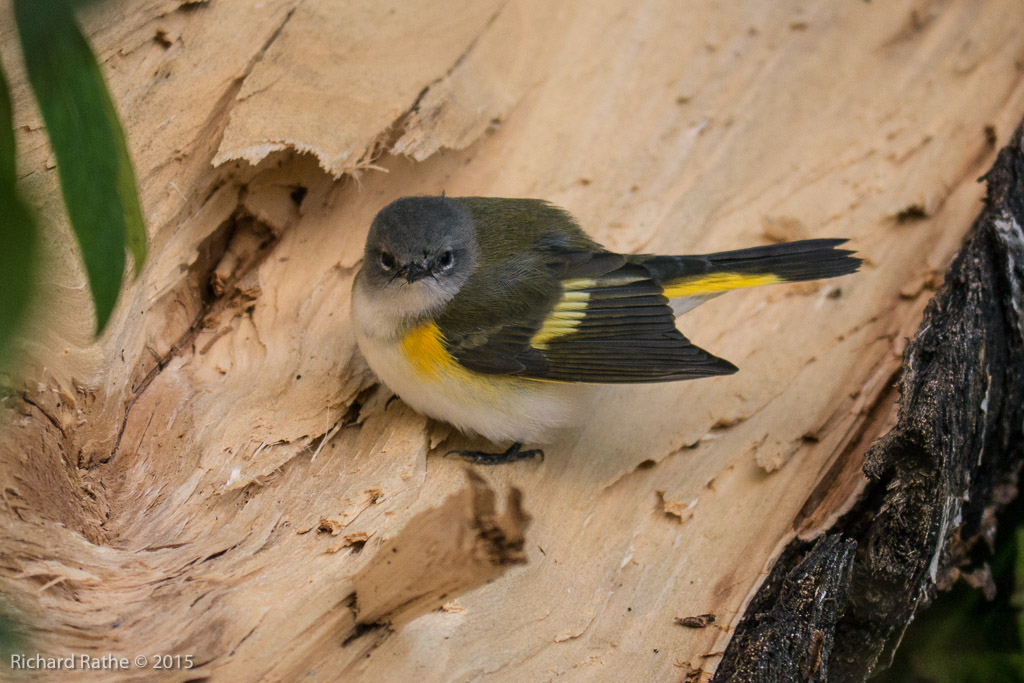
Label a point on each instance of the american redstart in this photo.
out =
(488, 312)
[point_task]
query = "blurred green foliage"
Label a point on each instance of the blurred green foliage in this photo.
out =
(18, 234)
(11, 639)
(964, 638)
(96, 177)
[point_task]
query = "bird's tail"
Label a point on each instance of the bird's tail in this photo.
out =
(710, 274)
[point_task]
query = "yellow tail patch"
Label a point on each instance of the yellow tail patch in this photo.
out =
(717, 282)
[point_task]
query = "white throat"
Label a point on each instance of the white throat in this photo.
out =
(390, 312)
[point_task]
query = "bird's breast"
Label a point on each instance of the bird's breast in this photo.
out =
(418, 368)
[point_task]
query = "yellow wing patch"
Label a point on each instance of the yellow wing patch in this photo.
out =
(567, 313)
(571, 308)
(563, 318)
(717, 282)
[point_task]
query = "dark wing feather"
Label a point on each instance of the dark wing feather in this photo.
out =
(599, 318)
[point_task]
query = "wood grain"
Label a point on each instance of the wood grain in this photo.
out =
(197, 467)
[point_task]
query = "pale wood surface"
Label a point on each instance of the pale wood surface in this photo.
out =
(160, 488)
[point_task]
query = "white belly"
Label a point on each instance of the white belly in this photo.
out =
(498, 408)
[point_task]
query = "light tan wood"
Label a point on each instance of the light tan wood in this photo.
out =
(197, 481)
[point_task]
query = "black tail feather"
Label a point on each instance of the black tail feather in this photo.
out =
(790, 261)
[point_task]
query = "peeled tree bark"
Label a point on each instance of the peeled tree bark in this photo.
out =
(220, 476)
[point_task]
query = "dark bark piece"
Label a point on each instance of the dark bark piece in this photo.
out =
(791, 623)
(936, 479)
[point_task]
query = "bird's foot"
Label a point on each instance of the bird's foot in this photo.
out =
(513, 453)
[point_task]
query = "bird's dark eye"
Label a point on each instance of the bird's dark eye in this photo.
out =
(387, 261)
(446, 260)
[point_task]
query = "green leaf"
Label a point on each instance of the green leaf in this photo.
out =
(92, 159)
(18, 235)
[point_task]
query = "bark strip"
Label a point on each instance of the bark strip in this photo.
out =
(936, 479)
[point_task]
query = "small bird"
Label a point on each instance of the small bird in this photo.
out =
(489, 313)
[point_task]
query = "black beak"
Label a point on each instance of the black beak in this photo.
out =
(414, 272)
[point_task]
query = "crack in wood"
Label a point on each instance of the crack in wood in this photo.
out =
(387, 139)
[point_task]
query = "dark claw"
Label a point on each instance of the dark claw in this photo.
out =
(513, 453)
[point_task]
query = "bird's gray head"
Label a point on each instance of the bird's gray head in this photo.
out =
(420, 251)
